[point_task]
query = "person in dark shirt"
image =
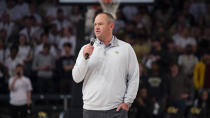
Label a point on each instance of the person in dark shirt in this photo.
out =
(203, 103)
(180, 88)
(157, 89)
(65, 65)
(143, 104)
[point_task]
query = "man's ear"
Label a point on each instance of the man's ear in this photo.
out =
(112, 25)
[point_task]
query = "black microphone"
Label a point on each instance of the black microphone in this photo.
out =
(92, 40)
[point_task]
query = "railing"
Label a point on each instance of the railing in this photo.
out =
(40, 102)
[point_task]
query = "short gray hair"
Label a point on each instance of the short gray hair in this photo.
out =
(110, 18)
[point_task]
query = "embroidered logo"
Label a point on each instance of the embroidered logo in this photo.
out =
(116, 52)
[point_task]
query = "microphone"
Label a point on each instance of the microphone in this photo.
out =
(92, 40)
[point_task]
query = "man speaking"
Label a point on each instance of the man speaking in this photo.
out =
(109, 71)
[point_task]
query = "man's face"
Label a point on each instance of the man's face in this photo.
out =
(102, 27)
(67, 49)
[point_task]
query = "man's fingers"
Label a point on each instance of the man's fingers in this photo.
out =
(118, 108)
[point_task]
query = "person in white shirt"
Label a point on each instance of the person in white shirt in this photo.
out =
(119, 22)
(29, 31)
(53, 35)
(25, 51)
(39, 48)
(22, 7)
(6, 24)
(110, 75)
(33, 12)
(184, 39)
(14, 13)
(51, 7)
(13, 60)
(129, 11)
(61, 21)
(68, 37)
(188, 61)
(20, 93)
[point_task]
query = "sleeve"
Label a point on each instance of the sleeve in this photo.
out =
(29, 87)
(80, 68)
(133, 77)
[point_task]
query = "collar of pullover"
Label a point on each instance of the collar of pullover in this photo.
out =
(112, 43)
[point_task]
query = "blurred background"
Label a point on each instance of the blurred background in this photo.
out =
(171, 39)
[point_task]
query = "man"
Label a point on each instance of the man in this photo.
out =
(20, 93)
(180, 88)
(110, 75)
(13, 60)
(44, 64)
(65, 65)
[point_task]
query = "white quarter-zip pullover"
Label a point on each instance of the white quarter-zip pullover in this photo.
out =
(110, 76)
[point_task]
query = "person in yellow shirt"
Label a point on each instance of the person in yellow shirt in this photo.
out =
(199, 72)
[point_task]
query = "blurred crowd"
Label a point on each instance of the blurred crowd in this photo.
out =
(171, 39)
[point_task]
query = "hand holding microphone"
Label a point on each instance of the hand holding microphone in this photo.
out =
(88, 50)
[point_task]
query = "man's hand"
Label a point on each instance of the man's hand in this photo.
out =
(88, 49)
(123, 106)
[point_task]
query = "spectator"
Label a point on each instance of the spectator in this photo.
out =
(26, 54)
(61, 22)
(70, 38)
(171, 53)
(141, 46)
(51, 7)
(53, 35)
(75, 15)
(44, 64)
(184, 40)
(7, 24)
(156, 53)
(25, 51)
(129, 11)
(180, 88)
(13, 12)
(29, 30)
(65, 65)
(203, 102)
(22, 7)
(156, 86)
(207, 72)
(119, 22)
(33, 12)
(143, 104)
(20, 93)
(44, 40)
(187, 61)
(199, 72)
(197, 8)
(13, 60)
